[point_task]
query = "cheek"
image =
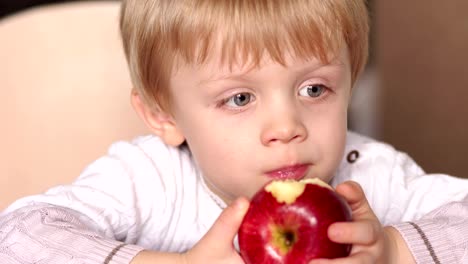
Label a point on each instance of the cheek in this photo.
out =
(213, 137)
(337, 142)
(225, 168)
(225, 158)
(336, 132)
(327, 132)
(215, 148)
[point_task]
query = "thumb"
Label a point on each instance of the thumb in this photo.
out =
(222, 233)
(356, 198)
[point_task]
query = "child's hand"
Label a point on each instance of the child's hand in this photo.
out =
(215, 247)
(217, 244)
(371, 242)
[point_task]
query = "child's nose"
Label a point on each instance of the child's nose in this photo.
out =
(283, 129)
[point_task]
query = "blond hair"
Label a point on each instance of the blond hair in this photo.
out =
(158, 33)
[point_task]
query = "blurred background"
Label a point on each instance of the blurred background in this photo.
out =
(12, 6)
(421, 57)
(414, 93)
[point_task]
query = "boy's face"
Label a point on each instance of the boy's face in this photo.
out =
(246, 126)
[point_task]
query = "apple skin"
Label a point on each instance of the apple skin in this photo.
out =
(277, 232)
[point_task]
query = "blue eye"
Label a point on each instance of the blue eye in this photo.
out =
(312, 90)
(240, 99)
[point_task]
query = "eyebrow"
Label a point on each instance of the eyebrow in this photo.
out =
(227, 76)
(308, 68)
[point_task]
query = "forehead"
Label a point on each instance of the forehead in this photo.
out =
(214, 67)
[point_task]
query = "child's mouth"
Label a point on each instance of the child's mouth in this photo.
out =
(295, 172)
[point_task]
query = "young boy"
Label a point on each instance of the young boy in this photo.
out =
(237, 93)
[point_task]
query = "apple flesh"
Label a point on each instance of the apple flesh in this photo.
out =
(287, 222)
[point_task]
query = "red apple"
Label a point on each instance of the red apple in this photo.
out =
(287, 222)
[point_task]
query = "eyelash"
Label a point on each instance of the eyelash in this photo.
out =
(224, 102)
(320, 96)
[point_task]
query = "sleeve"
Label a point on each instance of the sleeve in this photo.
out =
(397, 189)
(429, 210)
(440, 236)
(97, 217)
(412, 193)
(50, 234)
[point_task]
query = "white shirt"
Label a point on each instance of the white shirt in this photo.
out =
(152, 195)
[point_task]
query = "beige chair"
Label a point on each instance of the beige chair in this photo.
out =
(64, 94)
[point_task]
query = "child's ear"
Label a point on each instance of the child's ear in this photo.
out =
(159, 122)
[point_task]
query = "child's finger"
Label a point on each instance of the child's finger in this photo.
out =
(364, 232)
(351, 191)
(222, 233)
(357, 258)
(356, 199)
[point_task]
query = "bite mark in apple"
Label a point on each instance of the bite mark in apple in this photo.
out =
(287, 191)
